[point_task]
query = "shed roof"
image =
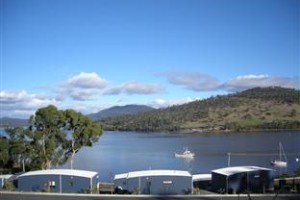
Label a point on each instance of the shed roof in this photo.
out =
(227, 171)
(121, 176)
(66, 172)
(202, 177)
(153, 173)
(6, 176)
(158, 173)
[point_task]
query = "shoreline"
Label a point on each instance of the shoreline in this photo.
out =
(198, 131)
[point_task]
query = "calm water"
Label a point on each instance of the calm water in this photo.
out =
(120, 152)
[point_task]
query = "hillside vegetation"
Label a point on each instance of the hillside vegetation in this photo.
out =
(253, 109)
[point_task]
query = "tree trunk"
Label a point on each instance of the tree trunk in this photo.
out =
(72, 158)
(73, 153)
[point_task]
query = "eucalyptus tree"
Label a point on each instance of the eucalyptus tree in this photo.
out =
(20, 147)
(4, 152)
(47, 126)
(82, 132)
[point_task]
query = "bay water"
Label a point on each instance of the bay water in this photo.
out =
(121, 152)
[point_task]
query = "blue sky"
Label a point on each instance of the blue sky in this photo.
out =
(92, 54)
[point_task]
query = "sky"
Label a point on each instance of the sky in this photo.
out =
(89, 55)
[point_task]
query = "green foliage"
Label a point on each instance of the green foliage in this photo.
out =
(84, 132)
(4, 153)
(19, 148)
(277, 94)
(46, 142)
(297, 172)
(9, 186)
(255, 109)
(284, 175)
(136, 190)
(196, 191)
(47, 124)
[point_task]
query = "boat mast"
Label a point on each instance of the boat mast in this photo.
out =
(283, 153)
(280, 146)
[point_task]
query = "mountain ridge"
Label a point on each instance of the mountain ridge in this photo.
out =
(119, 110)
(13, 122)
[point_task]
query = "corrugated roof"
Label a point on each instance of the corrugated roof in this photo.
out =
(120, 176)
(66, 172)
(240, 169)
(5, 176)
(202, 177)
(158, 173)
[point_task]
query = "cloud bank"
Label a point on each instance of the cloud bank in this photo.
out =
(204, 82)
(82, 87)
(192, 81)
(249, 81)
(22, 103)
(134, 87)
(88, 86)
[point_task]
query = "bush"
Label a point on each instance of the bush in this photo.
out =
(9, 186)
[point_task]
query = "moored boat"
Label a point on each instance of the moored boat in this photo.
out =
(185, 154)
(280, 163)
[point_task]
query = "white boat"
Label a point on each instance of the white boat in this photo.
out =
(185, 154)
(280, 163)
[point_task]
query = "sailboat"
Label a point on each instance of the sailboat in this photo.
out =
(280, 163)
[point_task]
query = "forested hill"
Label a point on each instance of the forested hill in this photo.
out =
(253, 109)
(119, 110)
(13, 122)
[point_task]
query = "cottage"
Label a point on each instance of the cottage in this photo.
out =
(58, 180)
(242, 179)
(155, 182)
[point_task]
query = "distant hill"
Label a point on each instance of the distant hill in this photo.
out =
(271, 108)
(13, 122)
(119, 110)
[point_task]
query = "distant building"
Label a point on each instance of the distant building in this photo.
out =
(58, 180)
(3, 179)
(242, 179)
(155, 182)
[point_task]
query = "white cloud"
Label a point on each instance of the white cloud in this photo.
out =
(87, 81)
(249, 81)
(163, 103)
(82, 87)
(135, 87)
(22, 104)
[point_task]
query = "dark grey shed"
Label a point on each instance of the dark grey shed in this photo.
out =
(242, 179)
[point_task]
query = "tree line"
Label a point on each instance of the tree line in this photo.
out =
(52, 138)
